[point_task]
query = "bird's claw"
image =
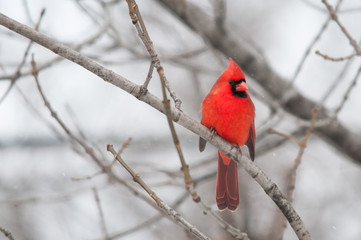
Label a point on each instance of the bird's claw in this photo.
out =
(239, 151)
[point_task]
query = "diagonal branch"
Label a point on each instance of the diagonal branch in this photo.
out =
(98, 161)
(170, 211)
(17, 72)
(302, 144)
(255, 65)
(101, 213)
(155, 62)
(178, 116)
(334, 17)
(347, 93)
(189, 184)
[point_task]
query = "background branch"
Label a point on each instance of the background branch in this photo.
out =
(344, 139)
(334, 17)
(38, 159)
(107, 75)
(302, 144)
(170, 211)
(107, 169)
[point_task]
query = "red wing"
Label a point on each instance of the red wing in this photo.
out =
(251, 141)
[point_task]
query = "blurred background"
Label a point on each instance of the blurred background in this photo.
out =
(51, 189)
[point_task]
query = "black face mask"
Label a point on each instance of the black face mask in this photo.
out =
(234, 86)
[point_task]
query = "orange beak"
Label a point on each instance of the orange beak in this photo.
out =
(241, 87)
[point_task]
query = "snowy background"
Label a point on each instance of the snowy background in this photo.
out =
(39, 196)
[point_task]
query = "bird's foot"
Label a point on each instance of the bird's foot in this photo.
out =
(239, 151)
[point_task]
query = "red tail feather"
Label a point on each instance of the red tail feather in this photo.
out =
(227, 183)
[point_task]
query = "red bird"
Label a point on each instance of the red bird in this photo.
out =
(229, 110)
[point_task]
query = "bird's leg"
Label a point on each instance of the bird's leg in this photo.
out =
(239, 150)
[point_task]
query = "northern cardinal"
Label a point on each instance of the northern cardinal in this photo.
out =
(229, 111)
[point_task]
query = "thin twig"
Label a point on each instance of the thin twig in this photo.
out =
(293, 172)
(101, 213)
(27, 11)
(141, 224)
(309, 48)
(17, 72)
(338, 59)
(302, 145)
(92, 39)
(144, 36)
(147, 222)
(323, 28)
(105, 168)
(87, 177)
(336, 81)
(150, 74)
(121, 149)
(170, 211)
(37, 113)
(334, 17)
(347, 93)
(282, 134)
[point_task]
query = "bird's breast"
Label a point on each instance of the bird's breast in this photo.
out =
(230, 116)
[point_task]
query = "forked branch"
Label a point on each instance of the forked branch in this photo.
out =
(178, 116)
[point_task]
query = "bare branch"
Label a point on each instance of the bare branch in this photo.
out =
(149, 75)
(17, 72)
(348, 91)
(334, 17)
(87, 177)
(282, 134)
(101, 213)
(308, 51)
(137, 227)
(147, 222)
(170, 211)
(144, 36)
(270, 188)
(56, 59)
(338, 59)
(105, 168)
(336, 81)
(302, 144)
